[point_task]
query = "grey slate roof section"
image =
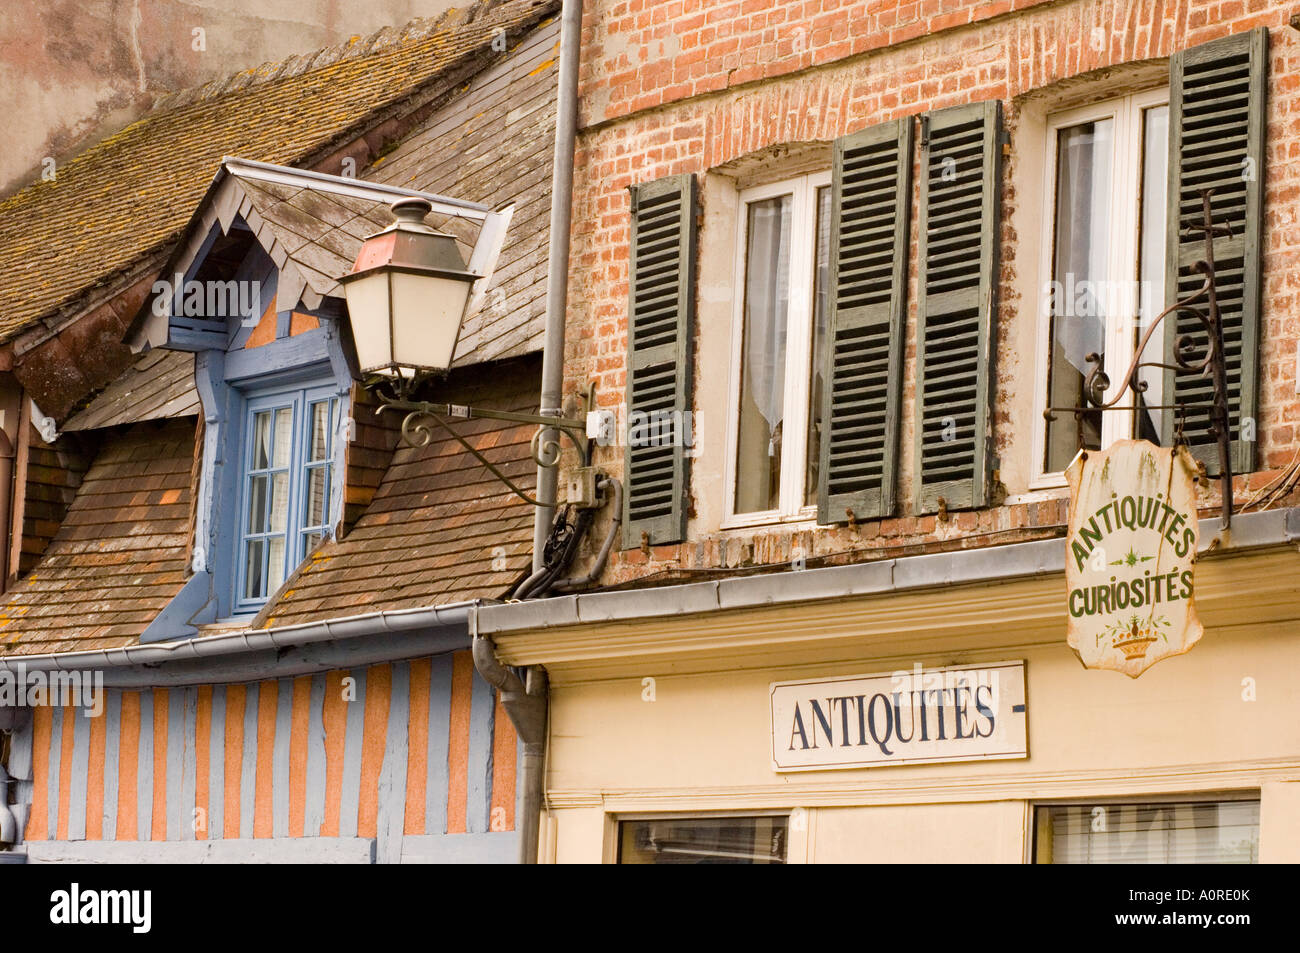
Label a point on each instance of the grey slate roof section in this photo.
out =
(158, 386)
(990, 564)
(494, 143)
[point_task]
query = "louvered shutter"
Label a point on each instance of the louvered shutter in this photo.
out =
(871, 193)
(661, 292)
(1216, 140)
(957, 254)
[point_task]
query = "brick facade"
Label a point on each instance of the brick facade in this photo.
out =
(688, 87)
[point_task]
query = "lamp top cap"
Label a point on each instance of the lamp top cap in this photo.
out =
(411, 210)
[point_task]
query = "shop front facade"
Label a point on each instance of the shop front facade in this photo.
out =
(924, 709)
(852, 286)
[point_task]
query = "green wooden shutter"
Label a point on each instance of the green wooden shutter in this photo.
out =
(661, 293)
(957, 253)
(871, 194)
(1216, 139)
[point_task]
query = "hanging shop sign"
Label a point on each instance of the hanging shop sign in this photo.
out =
(959, 713)
(1131, 555)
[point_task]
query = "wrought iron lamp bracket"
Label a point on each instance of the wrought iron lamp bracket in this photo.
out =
(1203, 304)
(420, 416)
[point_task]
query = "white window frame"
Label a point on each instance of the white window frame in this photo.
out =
(798, 367)
(1125, 211)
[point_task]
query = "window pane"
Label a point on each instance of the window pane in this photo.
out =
(1205, 833)
(280, 503)
(1080, 292)
(261, 441)
(1151, 265)
(275, 568)
(762, 389)
(254, 580)
(717, 840)
(283, 437)
(257, 488)
(320, 430)
(313, 510)
(821, 317)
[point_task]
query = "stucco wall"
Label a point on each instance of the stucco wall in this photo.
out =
(75, 71)
(1215, 720)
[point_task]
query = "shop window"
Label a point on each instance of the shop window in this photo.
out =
(779, 340)
(703, 840)
(1106, 174)
(1192, 832)
(285, 488)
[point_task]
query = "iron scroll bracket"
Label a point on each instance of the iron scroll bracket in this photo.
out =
(1202, 304)
(546, 446)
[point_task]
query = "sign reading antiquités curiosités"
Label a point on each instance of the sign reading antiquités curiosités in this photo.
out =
(1131, 554)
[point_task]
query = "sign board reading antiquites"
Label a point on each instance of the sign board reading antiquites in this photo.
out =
(1131, 551)
(959, 713)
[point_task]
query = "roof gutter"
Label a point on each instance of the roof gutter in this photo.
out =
(1250, 531)
(279, 651)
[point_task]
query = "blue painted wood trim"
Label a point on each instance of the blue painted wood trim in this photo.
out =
(215, 521)
(285, 355)
(314, 809)
(144, 806)
(435, 809)
(248, 767)
(478, 802)
(280, 760)
(187, 339)
(175, 762)
(55, 764)
(499, 848)
(391, 815)
(79, 775)
(112, 747)
(356, 720)
(215, 822)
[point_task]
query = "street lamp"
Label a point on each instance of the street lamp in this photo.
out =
(407, 294)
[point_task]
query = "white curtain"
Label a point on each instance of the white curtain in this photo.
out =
(767, 298)
(1083, 190)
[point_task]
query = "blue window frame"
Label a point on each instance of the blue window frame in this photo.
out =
(285, 486)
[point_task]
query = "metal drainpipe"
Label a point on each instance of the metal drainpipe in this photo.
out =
(526, 704)
(557, 275)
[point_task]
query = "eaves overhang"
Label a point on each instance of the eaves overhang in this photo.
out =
(947, 602)
(283, 651)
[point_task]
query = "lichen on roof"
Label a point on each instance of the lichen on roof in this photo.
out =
(119, 204)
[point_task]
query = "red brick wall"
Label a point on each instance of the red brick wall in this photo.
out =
(675, 87)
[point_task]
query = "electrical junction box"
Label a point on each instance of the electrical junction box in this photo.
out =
(580, 488)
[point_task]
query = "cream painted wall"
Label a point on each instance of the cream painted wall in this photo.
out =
(983, 833)
(703, 745)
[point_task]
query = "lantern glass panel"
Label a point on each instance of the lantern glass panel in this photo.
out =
(368, 304)
(427, 311)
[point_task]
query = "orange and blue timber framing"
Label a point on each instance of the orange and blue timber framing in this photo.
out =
(399, 762)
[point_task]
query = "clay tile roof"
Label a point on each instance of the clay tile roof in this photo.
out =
(118, 558)
(440, 528)
(158, 386)
(113, 210)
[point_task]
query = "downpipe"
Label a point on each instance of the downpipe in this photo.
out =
(526, 704)
(557, 268)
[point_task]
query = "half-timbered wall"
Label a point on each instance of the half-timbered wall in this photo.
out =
(409, 762)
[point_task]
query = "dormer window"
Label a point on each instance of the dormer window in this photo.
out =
(287, 479)
(265, 256)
